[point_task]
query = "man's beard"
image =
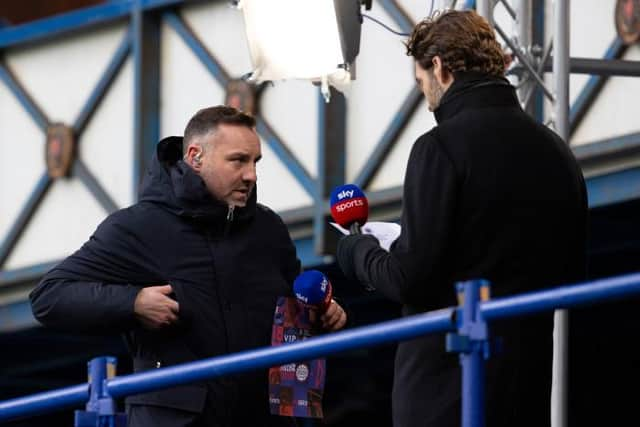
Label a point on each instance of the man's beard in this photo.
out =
(436, 92)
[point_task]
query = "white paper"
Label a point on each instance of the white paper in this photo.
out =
(385, 232)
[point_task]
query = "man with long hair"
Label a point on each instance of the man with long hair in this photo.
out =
(488, 194)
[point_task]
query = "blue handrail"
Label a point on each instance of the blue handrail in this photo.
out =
(562, 297)
(42, 403)
(380, 333)
(367, 336)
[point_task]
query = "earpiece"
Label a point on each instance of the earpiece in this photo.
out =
(197, 159)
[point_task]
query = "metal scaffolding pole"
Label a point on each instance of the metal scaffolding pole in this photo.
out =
(601, 67)
(523, 22)
(561, 119)
(485, 9)
(522, 27)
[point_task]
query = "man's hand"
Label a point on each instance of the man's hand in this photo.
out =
(334, 318)
(154, 308)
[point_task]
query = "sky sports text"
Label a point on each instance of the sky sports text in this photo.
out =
(345, 193)
(341, 207)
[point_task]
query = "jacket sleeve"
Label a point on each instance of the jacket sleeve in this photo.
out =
(415, 263)
(92, 291)
(84, 306)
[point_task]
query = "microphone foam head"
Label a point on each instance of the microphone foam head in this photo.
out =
(349, 205)
(313, 288)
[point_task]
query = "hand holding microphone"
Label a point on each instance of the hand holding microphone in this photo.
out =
(350, 209)
(313, 289)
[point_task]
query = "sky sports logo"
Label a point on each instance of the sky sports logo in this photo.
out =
(345, 193)
(349, 204)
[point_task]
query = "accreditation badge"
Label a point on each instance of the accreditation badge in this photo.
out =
(295, 389)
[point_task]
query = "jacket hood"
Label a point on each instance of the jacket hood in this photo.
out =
(174, 185)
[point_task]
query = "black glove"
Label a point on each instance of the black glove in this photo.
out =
(345, 253)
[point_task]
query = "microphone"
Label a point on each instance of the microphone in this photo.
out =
(312, 288)
(349, 207)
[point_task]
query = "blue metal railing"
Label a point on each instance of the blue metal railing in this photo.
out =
(449, 319)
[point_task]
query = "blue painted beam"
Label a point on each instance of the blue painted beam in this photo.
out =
(398, 15)
(286, 156)
(103, 85)
(196, 46)
(594, 85)
(306, 252)
(614, 187)
(23, 97)
(389, 138)
(146, 88)
(597, 150)
(45, 29)
(25, 274)
(81, 171)
(16, 316)
(21, 222)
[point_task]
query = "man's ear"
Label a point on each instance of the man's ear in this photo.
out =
(443, 76)
(193, 157)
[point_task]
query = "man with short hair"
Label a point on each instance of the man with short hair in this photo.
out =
(193, 270)
(488, 194)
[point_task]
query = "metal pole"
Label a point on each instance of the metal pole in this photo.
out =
(332, 118)
(524, 61)
(485, 9)
(100, 410)
(561, 111)
(146, 87)
(601, 67)
(523, 22)
(561, 67)
(472, 362)
(522, 27)
(470, 341)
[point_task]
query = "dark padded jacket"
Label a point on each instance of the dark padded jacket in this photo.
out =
(226, 273)
(489, 194)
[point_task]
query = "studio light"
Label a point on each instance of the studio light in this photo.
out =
(316, 40)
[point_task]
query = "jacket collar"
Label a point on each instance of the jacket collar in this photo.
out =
(473, 90)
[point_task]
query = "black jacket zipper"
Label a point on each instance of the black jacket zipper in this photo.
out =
(229, 221)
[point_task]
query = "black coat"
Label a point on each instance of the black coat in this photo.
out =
(488, 193)
(226, 276)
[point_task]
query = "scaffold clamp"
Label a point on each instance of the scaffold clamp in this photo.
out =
(100, 410)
